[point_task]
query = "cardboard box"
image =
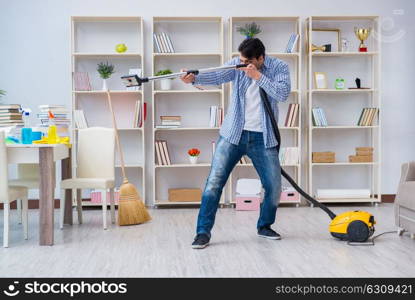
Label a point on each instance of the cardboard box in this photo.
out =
(360, 152)
(364, 149)
(323, 157)
(185, 195)
(360, 158)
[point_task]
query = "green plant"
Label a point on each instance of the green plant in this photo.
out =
(105, 70)
(164, 72)
(2, 93)
(249, 30)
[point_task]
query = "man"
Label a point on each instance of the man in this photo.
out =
(246, 130)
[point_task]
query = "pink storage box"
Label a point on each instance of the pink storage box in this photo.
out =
(96, 197)
(248, 194)
(290, 196)
(247, 202)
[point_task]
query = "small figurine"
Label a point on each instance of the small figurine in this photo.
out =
(358, 81)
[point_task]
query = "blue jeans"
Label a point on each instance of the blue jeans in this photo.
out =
(227, 155)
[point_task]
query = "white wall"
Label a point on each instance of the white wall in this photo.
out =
(35, 47)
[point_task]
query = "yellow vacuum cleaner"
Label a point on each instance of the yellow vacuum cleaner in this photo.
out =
(351, 226)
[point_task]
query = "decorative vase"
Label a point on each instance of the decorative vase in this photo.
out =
(165, 84)
(193, 159)
(104, 85)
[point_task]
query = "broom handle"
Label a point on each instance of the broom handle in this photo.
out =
(117, 138)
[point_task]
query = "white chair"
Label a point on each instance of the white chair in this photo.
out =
(95, 169)
(10, 194)
(27, 176)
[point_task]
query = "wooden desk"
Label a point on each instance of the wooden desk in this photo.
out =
(46, 156)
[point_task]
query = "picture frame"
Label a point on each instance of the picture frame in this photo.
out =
(320, 80)
(323, 36)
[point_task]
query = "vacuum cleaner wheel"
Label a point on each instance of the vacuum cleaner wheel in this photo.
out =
(358, 231)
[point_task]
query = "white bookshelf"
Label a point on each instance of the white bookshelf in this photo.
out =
(343, 107)
(198, 43)
(93, 40)
(276, 31)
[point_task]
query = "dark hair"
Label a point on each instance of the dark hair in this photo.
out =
(252, 48)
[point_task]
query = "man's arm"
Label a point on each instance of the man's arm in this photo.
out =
(278, 88)
(212, 78)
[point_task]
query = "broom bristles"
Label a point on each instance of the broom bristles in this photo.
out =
(131, 209)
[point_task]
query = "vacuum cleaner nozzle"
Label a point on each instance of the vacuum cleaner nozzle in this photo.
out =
(133, 80)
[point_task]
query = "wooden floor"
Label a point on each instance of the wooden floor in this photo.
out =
(161, 248)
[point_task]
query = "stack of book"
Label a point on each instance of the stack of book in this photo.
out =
(10, 115)
(81, 81)
(170, 121)
(243, 160)
(367, 117)
(140, 114)
(216, 116)
(61, 119)
(289, 156)
(162, 43)
(162, 153)
(363, 155)
(292, 115)
(292, 42)
(319, 117)
(79, 119)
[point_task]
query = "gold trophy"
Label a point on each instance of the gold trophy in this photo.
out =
(362, 34)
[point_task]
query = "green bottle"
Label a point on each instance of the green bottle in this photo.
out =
(339, 84)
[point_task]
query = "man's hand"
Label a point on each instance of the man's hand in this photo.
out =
(188, 78)
(252, 72)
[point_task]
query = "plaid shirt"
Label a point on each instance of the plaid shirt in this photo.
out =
(275, 80)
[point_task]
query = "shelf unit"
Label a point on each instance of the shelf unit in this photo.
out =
(276, 31)
(341, 136)
(93, 39)
(198, 43)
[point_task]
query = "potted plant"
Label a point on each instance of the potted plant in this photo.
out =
(249, 30)
(193, 155)
(165, 84)
(105, 70)
(2, 93)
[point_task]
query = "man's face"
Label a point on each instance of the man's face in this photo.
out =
(257, 62)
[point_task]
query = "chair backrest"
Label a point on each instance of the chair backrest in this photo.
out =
(4, 193)
(407, 172)
(96, 153)
(28, 171)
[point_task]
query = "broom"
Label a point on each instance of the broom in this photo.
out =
(131, 209)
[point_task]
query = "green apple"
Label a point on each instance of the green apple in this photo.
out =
(120, 48)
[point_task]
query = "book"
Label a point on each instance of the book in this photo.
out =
(10, 106)
(212, 118)
(170, 118)
(163, 157)
(158, 153)
(79, 118)
(287, 117)
(166, 152)
(316, 117)
(323, 117)
(157, 47)
(292, 41)
(162, 43)
(168, 42)
(295, 115)
(81, 81)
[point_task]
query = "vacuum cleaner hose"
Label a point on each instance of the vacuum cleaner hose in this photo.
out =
(277, 134)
